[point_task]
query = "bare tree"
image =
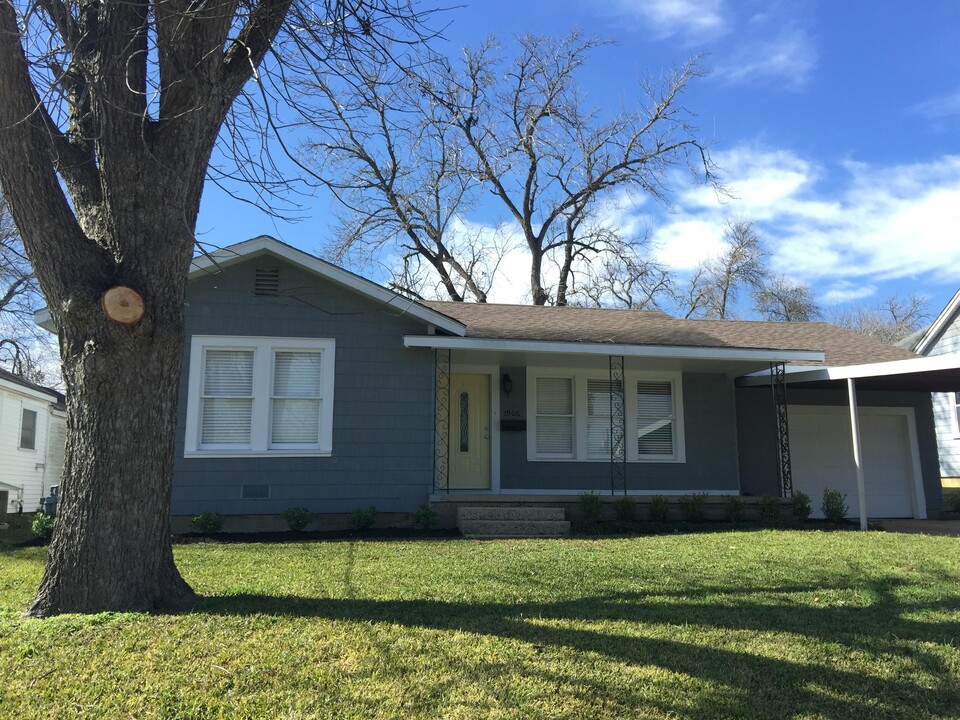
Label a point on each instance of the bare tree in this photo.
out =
(889, 321)
(110, 115)
(625, 279)
(520, 131)
(783, 300)
(717, 285)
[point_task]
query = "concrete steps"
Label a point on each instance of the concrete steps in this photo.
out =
(511, 522)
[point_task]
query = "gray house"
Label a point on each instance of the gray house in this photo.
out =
(942, 338)
(306, 385)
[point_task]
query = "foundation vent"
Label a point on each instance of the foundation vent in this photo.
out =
(255, 492)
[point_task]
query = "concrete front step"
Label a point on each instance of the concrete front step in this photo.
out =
(468, 512)
(514, 528)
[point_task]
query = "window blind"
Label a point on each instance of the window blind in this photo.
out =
(227, 397)
(599, 404)
(554, 416)
(296, 398)
(655, 418)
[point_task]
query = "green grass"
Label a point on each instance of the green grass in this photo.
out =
(763, 624)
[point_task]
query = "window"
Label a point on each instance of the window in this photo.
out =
(260, 396)
(572, 417)
(955, 404)
(28, 430)
(554, 416)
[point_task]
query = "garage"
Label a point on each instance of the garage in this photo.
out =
(822, 457)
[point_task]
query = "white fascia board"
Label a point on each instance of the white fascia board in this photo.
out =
(204, 265)
(855, 372)
(943, 321)
(658, 351)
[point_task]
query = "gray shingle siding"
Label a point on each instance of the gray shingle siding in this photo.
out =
(710, 436)
(757, 431)
(943, 408)
(383, 400)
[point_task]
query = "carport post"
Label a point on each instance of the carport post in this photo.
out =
(857, 454)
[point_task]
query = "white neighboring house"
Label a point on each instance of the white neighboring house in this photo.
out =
(942, 337)
(33, 430)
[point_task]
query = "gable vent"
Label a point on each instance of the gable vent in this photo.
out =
(266, 282)
(255, 492)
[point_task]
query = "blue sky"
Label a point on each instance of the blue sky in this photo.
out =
(836, 126)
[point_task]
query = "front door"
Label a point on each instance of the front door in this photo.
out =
(469, 432)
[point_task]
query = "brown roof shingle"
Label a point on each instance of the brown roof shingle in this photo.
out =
(646, 327)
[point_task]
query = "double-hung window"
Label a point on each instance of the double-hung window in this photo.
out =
(577, 417)
(260, 396)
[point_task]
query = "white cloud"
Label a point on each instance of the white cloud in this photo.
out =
(940, 107)
(871, 224)
(790, 56)
(672, 17)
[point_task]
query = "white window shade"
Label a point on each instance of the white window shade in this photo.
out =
(227, 398)
(554, 404)
(655, 418)
(295, 412)
(599, 404)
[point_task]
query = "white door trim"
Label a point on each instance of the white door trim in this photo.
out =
(493, 371)
(918, 498)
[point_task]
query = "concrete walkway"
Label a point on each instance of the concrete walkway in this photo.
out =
(950, 528)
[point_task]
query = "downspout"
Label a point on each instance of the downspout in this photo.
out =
(857, 452)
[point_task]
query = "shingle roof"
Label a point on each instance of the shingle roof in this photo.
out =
(56, 395)
(645, 327)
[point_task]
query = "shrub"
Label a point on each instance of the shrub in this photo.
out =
(800, 507)
(42, 526)
(425, 517)
(734, 507)
(694, 506)
(297, 518)
(589, 507)
(625, 509)
(834, 505)
(768, 509)
(659, 509)
(208, 522)
(361, 519)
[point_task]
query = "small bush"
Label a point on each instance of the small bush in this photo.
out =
(589, 508)
(361, 519)
(768, 509)
(800, 507)
(42, 526)
(425, 517)
(734, 507)
(659, 509)
(208, 522)
(834, 505)
(694, 507)
(625, 509)
(297, 518)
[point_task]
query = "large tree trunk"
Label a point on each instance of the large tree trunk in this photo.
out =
(111, 547)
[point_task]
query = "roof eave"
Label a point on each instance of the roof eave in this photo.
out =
(625, 349)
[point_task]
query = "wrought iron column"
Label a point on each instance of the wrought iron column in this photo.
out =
(441, 423)
(779, 384)
(618, 429)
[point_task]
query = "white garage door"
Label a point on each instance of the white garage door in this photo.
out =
(821, 452)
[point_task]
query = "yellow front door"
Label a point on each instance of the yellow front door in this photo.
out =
(469, 432)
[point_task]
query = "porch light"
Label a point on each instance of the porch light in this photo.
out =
(507, 383)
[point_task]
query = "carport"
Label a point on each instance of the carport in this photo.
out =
(928, 374)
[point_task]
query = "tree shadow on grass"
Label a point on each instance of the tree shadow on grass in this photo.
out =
(755, 685)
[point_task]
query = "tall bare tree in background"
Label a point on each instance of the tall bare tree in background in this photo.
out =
(110, 115)
(408, 156)
(889, 321)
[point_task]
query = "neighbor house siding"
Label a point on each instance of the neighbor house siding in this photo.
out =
(22, 468)
(383, 400)
(943, 408)
(710, 439)
(756, 427)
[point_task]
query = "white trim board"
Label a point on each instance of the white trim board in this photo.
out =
(843, 372)
(585, 348)
(938, 326)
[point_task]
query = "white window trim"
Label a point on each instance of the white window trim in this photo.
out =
(953, 404)
(263, 350)
(36, 429)
(580, 378)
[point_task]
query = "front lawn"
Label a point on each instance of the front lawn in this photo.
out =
(763, 624)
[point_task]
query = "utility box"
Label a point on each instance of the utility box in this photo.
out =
(48, 505)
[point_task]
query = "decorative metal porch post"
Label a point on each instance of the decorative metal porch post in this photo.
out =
(618, 429)
(778, 382)
(441, 423)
